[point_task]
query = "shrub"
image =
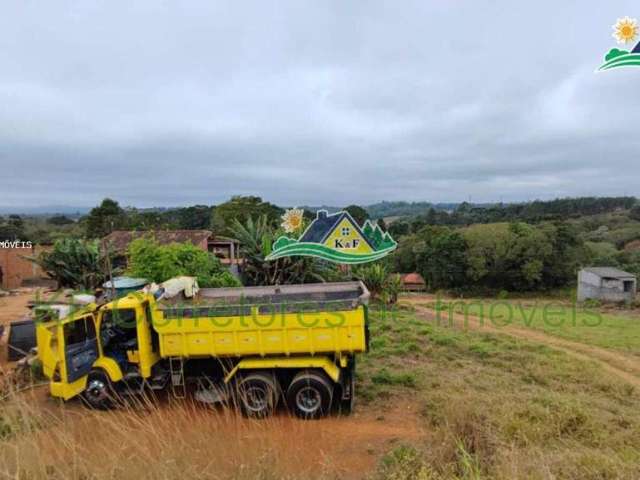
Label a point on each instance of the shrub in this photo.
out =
(385, 377)
(405, 463)
(158, 263)
(382, 285)
(74, 263)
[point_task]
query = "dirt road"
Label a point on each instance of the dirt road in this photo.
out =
(616, 363)
(14, 307)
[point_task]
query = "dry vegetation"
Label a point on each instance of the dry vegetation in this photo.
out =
(435, 403)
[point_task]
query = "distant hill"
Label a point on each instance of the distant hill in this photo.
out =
(405, 209)
(384, 209)
(46, 210)
(392, 209)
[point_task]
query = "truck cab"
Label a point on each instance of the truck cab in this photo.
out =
(102, 345)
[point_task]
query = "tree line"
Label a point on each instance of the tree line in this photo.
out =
(532, 212)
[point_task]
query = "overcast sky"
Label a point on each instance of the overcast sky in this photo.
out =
(175, 103)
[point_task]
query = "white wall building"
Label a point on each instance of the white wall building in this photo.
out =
(606, 283)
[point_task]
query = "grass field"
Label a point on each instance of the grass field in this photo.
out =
(435, 402)
(591, 326)
(499, 407)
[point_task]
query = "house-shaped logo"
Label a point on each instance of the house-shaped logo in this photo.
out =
(337, 238)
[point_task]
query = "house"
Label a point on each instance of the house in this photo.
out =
(16, 271)
(225, 248)
(413, 282)
(607, 284)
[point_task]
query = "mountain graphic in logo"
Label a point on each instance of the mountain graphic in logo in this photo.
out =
(625, 31)
(337, 238)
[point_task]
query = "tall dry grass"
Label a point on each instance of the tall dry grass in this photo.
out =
(159, 439)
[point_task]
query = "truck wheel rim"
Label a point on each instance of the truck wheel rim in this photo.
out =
(97, 390)
(308, 399)
(256, 399)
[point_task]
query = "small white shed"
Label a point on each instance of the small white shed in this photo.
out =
(606, 283)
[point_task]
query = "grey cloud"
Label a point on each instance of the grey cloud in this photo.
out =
(312, 102)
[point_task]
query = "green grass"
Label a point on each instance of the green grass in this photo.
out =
(494, 406)
(617, 331)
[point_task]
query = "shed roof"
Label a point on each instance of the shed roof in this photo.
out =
(413, 278)
(119, 240)
(609, 272)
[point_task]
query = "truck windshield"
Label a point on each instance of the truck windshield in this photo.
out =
(118, 330)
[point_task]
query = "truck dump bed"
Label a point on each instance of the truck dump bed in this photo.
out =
(274, 320)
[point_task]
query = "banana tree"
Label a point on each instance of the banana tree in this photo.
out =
(74, 263)
(256, 240)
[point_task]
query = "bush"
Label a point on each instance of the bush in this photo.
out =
(405, 463)
(158, 263)
(382, 285)
(74, 263)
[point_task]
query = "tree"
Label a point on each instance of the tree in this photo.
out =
(12, 229)
(197, 217)
(59, 220)
(432, 217)
(158, 263)
(105, 218)
(507, 256)
(240, 209)
(602, 254)
(399, 228)
(150, 220)
(74, 263)
(568, 253)
(441, 257)
(634, 213)
(358, 213)
(404, 257)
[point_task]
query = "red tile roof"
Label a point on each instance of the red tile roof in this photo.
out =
(413, 278)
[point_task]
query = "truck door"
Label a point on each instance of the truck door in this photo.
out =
(80, 347)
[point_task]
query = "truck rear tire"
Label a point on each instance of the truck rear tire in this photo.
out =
(99, 392)
(257, 395)
(309, 395)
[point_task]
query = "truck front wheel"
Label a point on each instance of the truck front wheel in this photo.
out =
(309, 395)
(99, 392)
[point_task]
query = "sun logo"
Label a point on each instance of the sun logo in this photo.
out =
(292, 220)
(625, 30)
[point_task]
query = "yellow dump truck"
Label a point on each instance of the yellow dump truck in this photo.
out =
(254, 347)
